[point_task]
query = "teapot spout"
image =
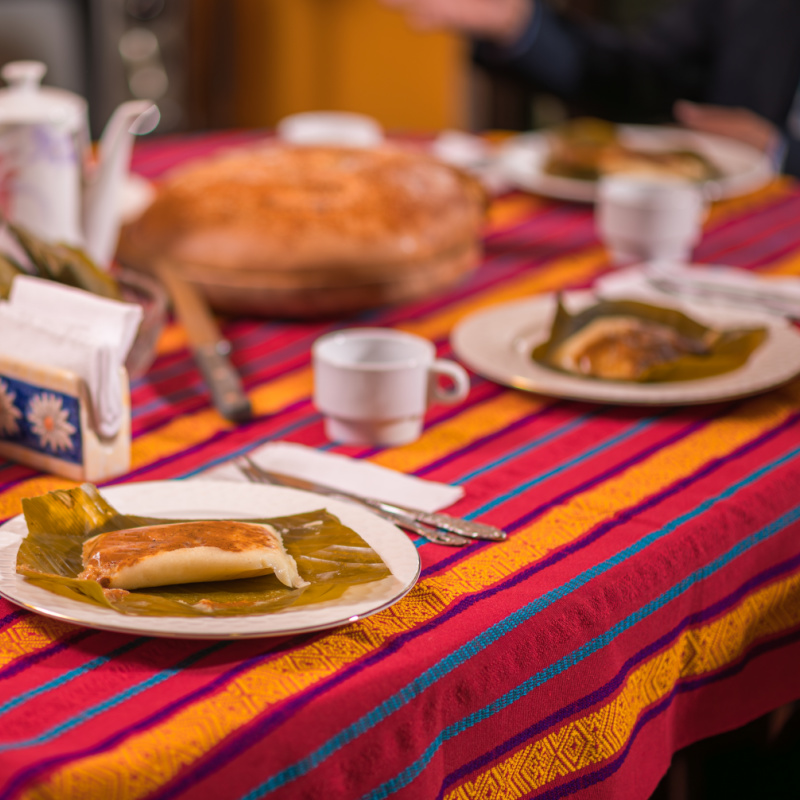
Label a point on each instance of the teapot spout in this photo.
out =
(103, 195)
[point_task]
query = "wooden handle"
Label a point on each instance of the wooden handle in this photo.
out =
(209, 348)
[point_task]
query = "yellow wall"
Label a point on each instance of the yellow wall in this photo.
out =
(352, 55)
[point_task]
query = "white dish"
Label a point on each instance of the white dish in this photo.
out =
(330, 128)
(522, 160)
(496, 342)
(224, 499)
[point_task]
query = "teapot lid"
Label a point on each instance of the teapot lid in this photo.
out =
(25, 101)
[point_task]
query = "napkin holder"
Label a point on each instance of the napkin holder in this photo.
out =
(47, 421)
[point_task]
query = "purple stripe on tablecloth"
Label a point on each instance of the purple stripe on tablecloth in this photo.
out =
(9, 618)
(752, 231)
(578, 488)
(156, 156)
(233, 745)
(21, 664)
(163, 713)
(736, 228)
(602, 692)
(482, 441)
(758, 250)
(605, 772)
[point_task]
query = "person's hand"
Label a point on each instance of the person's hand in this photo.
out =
(737, 123)
(499, 20)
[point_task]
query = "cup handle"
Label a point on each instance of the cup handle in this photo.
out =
(450, 394)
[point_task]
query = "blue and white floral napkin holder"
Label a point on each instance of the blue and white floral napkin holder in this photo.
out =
(47, 422)
(64, 393)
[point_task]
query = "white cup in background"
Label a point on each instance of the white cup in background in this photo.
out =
(343, 128)
(373, 385)
(647, 219)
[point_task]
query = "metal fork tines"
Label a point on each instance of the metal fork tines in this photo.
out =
(255, 474)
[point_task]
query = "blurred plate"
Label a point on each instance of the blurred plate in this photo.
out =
(496, 342)
(522, 160)
(224, 499)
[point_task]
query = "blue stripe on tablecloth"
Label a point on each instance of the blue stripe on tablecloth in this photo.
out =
(210, 765)
(66, 677)
(590, 453)
(407, 775)
(609, 769)
(121, 697)
(499, 629)
(605, 691)
(232, 746)
(64, 643)
(548, 437)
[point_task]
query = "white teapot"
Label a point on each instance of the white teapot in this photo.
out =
(50, 183)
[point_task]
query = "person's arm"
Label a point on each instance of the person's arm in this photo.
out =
(609, 72)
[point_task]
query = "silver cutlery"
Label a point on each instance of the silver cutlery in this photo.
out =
(446, 529)
(255, 474)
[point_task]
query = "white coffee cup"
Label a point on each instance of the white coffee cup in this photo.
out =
(344, 128)
(373, 385)
(647, 219)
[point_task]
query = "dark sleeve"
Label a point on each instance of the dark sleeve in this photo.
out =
(791, 161)
(627, 76)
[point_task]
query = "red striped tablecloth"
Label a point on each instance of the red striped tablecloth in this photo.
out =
(648, 594)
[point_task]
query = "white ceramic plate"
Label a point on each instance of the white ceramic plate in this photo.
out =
(224, 499)
(745, 169)
(496, 342)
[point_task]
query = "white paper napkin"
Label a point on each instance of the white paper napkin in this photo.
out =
(711, 285)
(347, 474)
(59, 326)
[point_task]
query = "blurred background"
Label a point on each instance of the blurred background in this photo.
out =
(247, 63)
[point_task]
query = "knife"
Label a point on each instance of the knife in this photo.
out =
(462, 527)
(256, 474)
(209, 348)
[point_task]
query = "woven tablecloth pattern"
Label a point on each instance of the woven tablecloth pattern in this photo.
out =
(648, 594)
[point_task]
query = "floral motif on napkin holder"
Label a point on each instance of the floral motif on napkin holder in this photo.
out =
(47, 422)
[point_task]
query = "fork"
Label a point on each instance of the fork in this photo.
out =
(255, 475)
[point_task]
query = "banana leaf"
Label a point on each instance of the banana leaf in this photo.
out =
(329, 555)
(717, 351)
(65, 264)
(9, 269)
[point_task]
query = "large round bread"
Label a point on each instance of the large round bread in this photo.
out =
(274, 219)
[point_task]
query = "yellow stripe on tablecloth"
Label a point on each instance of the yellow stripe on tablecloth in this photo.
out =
(469, 426)
(139, 765)
(11, 499)
(507, 211)
(574, 269)
(172, 338)
(604, 732)
(750, 202)
(29, 635)
(177, 435)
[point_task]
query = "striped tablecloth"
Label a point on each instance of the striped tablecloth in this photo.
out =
(648, 594)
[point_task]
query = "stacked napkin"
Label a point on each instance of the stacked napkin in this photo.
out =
(710, 285)
(346, 474)
(58, 326)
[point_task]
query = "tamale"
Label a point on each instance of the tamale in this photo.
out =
(330, 558)
(633, 341)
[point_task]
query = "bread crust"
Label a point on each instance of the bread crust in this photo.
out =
(277, 208)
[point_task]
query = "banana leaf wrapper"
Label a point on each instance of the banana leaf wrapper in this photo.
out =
(9, 269)
(729, 350)
(329, 555)
(65, 264)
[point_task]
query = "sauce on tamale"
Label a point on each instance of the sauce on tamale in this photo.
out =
(186, 552)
